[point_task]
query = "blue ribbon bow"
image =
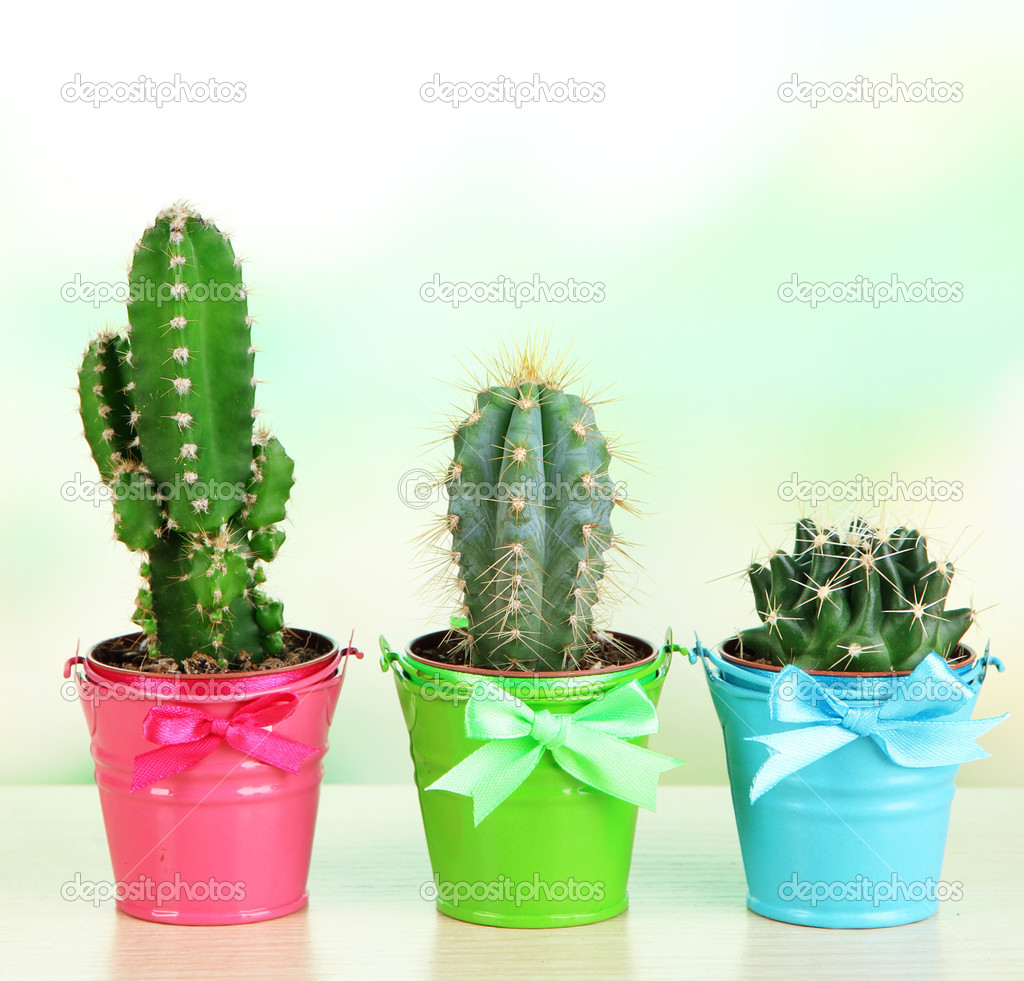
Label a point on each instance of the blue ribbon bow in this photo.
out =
(909, 725)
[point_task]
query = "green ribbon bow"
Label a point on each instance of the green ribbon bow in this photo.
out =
(588, 744)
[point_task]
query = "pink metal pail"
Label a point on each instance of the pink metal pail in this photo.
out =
(228, 838)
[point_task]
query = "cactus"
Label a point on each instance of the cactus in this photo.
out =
(530, 500)
(168, 412)
(863, 600)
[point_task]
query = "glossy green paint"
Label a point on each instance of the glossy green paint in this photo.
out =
(556, 852)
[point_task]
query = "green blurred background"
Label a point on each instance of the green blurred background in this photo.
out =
(691, 192)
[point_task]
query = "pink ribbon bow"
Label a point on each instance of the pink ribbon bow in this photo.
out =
(188, 736)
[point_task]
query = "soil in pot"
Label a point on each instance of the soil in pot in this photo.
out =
(130, 652)
(732, 650)
(610, 650)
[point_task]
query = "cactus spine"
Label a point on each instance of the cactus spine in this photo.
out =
(856, 600)
(168, 411)
(530, 500)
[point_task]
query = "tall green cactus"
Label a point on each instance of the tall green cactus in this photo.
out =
(168, 412)
(529, 510)
(856, 600)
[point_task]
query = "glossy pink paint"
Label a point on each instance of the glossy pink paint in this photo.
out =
(228, 840)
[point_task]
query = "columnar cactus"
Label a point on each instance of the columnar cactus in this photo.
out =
(168, 411)
(859, 600)
(530, 500)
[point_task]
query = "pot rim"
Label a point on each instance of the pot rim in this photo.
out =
(181, 675)
(520, 675)
(964, 660)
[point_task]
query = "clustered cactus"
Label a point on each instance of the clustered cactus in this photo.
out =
(857, 599)
(168, 408)
(530, 500)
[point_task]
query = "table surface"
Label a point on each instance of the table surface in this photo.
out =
(366, 918)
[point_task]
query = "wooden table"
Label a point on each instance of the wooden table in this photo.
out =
(366, 918)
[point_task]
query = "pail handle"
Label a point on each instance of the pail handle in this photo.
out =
(387, 656)
(75, 663)
(986, 660)
(669, 648)
(700, 653)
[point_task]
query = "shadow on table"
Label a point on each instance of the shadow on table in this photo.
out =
(876, 953)
(157, 951)
(468, 950)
